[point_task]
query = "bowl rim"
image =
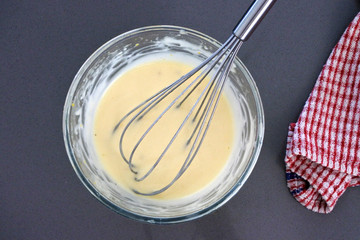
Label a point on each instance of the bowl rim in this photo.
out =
(163, 220)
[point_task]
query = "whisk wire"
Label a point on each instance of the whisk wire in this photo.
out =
(211, 104)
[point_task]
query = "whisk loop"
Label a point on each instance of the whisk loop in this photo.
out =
(217, 66)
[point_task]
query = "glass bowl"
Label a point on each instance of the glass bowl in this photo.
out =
(99, 71)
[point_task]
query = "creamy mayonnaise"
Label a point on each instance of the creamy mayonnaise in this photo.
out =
(131, 88)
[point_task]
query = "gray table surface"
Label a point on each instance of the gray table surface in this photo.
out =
(44, 43)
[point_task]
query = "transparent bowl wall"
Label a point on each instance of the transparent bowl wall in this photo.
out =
(100, 68)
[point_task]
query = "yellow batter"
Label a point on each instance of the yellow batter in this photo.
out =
(133, 87)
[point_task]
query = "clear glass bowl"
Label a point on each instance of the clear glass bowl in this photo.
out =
(99, 71)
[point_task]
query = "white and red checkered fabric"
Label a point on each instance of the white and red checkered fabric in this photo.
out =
(323, 147)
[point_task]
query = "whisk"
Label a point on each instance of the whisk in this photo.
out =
(202, 111)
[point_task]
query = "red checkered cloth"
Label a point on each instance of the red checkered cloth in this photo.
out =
(323, 147)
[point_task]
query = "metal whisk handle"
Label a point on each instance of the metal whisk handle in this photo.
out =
(252, 18)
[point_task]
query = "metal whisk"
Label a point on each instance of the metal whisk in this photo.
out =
(219, 64)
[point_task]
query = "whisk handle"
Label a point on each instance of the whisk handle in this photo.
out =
(252, 18)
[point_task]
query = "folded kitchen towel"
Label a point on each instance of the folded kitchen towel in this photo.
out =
(323, 146)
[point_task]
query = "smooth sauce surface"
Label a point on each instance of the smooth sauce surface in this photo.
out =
(130, 89)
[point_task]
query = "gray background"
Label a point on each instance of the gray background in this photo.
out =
(44, 43)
